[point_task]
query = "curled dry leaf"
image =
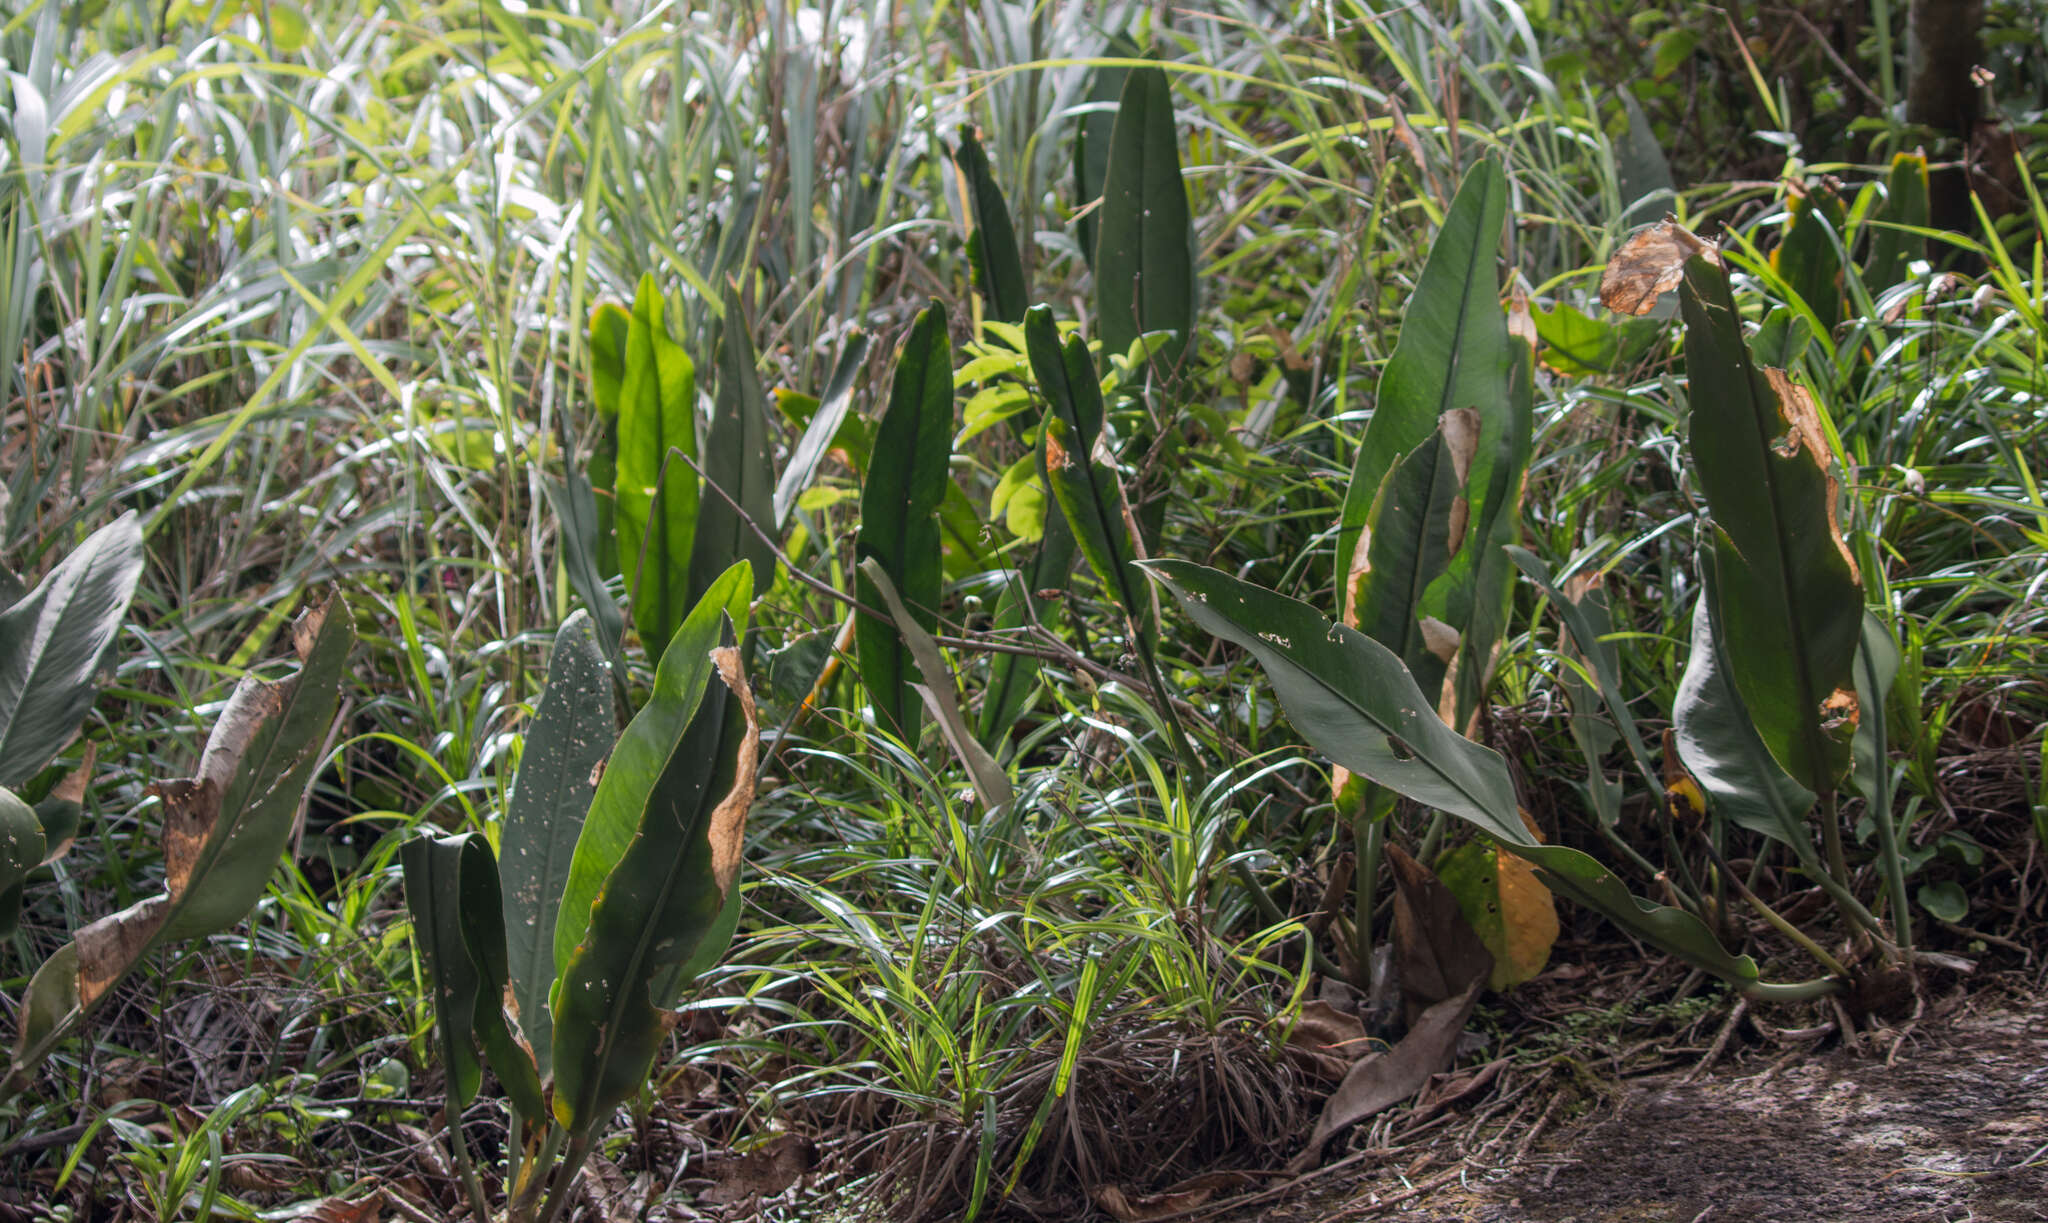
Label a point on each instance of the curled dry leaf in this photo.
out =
(729, 820)
(340, 1210)
(1186, 1196)
(1649, 265)
(1325, 1041)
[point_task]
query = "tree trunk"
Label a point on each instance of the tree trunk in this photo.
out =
(1943, 43)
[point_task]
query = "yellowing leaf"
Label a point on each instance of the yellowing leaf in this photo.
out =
(1515, 916)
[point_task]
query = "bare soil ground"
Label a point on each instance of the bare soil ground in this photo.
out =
(1948, 1122)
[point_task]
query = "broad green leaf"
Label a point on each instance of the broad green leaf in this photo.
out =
(657, 495)
(571, 734)
(963, 545)
(824, 430)
(48, 1006)
(646, 754)
(998, 268)
(21, 851)
(669, 891)
(451, 890)
(1787, 603)
(1946, 900)
(1089, 495)
(899, 509)
(1647, 187)
(738, 502)
(1575, 342)
(51, 644)
(225, 827)
(1091, 140)
(1477, 592)
(1453, 352)
(1720, 748)
(1408, 545)
(1893, 249)
(610, 326)
(1809, 256)
(1353, 701)
(1019, 500)
(1513, 914)
(1144, 253)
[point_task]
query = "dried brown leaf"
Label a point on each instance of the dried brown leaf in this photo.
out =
(1436, 952)
(760, 1173)
(339, 1210)
(729, 821)
(1385, 1079)
(1649, 265)
(1325, 1041)
(1186, 1196)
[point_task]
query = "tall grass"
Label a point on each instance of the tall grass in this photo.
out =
(312, 295)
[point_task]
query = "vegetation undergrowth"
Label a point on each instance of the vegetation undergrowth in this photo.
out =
(766, 490)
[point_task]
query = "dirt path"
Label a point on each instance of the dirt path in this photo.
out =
(1957, 1129)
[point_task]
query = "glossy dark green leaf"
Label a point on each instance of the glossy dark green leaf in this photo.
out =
(451, 891)
(52, 642)
(1408, 547)
(1787, 605)
(656, 495)
(571, 734)
(1720, 748)
(1089, 495)
(998, 267)
(645, 754)
(899, 508)
(1453, 352)
(1091, 140)
(1351, 698)
(685, 793)
(738, 500)
(1144, 253)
